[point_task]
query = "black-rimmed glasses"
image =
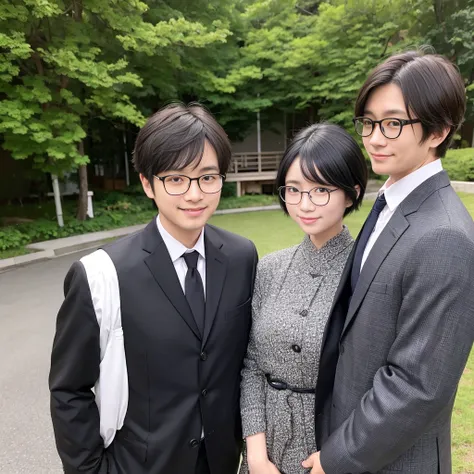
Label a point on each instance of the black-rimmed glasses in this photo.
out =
(319, 195)
(390, 127)
(177, 184)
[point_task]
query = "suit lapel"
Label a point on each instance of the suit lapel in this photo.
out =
(345, 280)
(395, 227)
(161, 267)
(216, 269)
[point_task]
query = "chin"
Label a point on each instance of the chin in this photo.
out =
(381, 169)
(194, 224)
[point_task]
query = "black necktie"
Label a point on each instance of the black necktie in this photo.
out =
(364, 237)
(194, 290)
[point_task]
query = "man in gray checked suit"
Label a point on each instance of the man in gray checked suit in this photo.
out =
(402, 324)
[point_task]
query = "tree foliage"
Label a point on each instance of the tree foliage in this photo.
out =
(66, 63)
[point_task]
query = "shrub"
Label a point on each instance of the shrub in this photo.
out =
(459, 164)
(229, 190)
(12, 238)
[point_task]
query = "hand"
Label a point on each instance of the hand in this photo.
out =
(263, 467)
(313, 463)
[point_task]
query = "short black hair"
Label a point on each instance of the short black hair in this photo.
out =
(432, 88)
(174, 137)
(328, 155)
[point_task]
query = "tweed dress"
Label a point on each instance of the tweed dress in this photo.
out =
(294, 290)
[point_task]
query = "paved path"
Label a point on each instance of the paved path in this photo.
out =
(29, 300)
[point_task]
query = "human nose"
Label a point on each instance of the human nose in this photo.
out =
(377, 138)
(194, 192)
(306, 204)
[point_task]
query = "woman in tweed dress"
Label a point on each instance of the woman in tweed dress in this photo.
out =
(322, 178)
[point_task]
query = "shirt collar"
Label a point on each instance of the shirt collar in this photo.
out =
(175, 247)
(395, 193)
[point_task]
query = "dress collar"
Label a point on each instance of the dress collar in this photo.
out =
(329, 250)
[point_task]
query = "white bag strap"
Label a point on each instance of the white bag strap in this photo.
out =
(111, 389)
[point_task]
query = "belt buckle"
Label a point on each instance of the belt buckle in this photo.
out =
(278, 384)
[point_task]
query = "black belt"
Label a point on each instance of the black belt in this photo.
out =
(280, 385)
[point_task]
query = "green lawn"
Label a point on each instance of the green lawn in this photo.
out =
(272, 230)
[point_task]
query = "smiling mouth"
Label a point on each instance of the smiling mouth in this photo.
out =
(198, 210)
(308, 219)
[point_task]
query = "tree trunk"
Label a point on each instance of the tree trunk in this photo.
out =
(83, 188)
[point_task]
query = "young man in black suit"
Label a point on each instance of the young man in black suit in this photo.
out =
(146, 360)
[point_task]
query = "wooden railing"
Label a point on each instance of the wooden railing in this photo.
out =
(255, 162)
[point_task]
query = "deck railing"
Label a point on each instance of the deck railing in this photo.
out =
(255, 162)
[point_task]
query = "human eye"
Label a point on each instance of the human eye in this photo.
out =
(175, 179)
(392, 123)
(208, 178)
(366, 122)
(292, 190)
(320, 190)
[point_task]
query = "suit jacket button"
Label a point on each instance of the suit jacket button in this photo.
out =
(194, 443)
(304, 313)
(204, 393)
(296, 348)
(203, 356)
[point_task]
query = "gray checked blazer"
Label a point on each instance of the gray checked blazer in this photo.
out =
(394, 351)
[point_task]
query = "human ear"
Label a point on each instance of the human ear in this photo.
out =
(147, 187)
(438, 137)
(349, 201)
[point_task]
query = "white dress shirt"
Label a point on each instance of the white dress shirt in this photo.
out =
(176, 250)
(394, 194)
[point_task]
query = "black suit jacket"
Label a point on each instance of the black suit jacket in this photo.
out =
(179, 382)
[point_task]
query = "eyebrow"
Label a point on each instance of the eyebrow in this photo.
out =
(389, 112)
(208, 168)
(316, 184)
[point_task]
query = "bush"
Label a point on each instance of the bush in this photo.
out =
(229, 190)
(459, 164)
(12, 238)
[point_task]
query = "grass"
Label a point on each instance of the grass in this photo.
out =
(463, 422)
(14, 252)
(247, 201)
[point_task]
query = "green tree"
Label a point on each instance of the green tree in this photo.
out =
(448, 27)
(313, 56)
(63, 62)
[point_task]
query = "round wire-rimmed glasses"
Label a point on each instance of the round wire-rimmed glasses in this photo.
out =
(318, 195)
(177, 184)
(390, 127)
